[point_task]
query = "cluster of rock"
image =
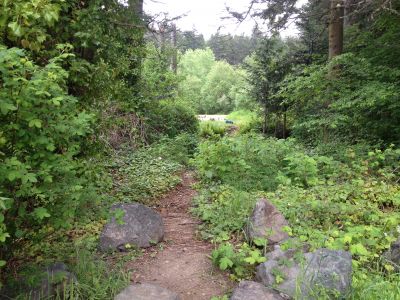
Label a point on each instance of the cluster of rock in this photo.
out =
(137, 226)
(54, 282)
(393, 255)
(141, 227)
(295, 273)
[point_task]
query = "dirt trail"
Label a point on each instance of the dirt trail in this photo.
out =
(181, 263)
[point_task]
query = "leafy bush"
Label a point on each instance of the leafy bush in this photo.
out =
(178, 149)
(250, 162)
(41, 131)
(357, 208)
(212, 129)
(241, 261)
(351, 204)
(361, 102)
(247, 121)
(224, 211)
(172, 119)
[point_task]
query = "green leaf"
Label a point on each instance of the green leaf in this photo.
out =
(251, 260)
(3, 236)
(347, 238)
(19, 233)
(209, 174)
(2, 263)
(29, 177)
(41, 213)
(6, 107)
(15, 28)
(35, 123)
(15, 174)
(225, 263)
(358, 249)
(50, 147)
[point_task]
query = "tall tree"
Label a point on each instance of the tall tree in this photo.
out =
(336, 25)
(190, 39)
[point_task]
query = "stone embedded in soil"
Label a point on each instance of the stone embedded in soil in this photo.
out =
(393, 254)
(142, 227)
(56, 279)
(267, 222)
(250, 290)
(146, 291)
(325, 269)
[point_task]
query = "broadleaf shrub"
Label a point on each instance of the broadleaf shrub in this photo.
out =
(350, 201)
(173, 118)
(251, 162)
(42, 130)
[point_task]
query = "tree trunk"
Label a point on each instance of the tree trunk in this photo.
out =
(174, 59)
(265, 116)
(284, 124)
(336, 28)
(137, 6)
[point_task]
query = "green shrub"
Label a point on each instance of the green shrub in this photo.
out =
(241, 261)
(41, 131)
(361, 103)
(178, 149)
(247, 121)
(172, 119)
(349, 204)
(250, 162)
(212, 129)
(223, 210)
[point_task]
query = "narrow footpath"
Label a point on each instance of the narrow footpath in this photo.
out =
(181, 263)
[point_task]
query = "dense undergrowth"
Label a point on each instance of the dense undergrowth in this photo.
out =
(131, 176)
(352, 203)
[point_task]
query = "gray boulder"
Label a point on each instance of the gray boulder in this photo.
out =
(146, 291)
(305, 276)
(267, 222)
(393, 254)
(55, 282)
(250, 290)
(142, 227)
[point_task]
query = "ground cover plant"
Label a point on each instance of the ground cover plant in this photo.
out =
(351, 204)
(140, 176)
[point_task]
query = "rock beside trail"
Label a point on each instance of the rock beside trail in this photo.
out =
(142, 227)
(146, 291)
(304, 275)
(250, 290)
(56, 279)
(393, 254)
(267, 222)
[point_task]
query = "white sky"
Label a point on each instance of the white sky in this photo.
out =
(205, 15)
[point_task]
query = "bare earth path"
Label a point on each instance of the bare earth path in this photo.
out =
(181, 263)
